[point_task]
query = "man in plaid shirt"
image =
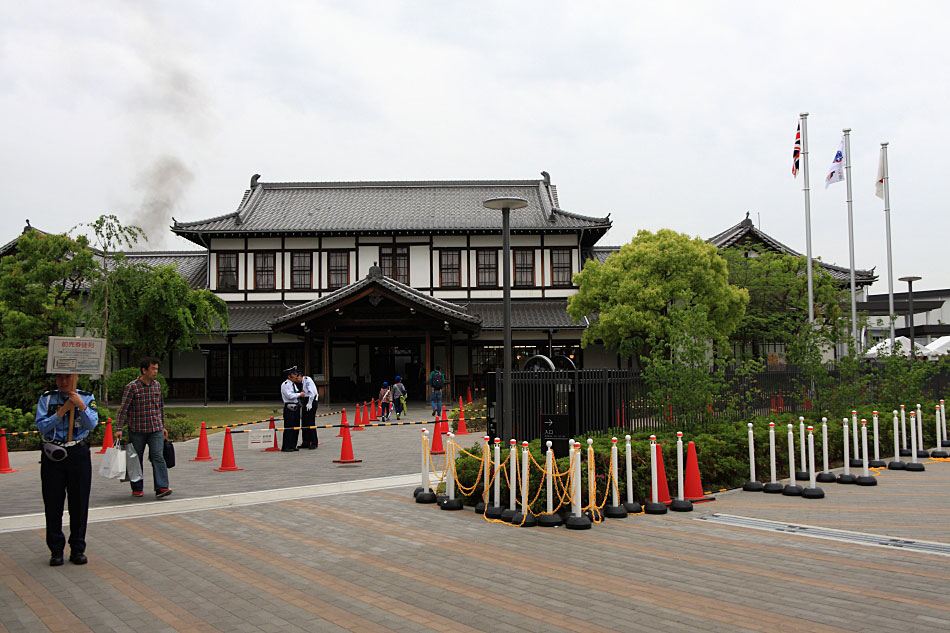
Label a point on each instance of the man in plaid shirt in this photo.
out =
(143, 411)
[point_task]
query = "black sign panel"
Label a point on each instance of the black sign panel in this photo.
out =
(556, 427)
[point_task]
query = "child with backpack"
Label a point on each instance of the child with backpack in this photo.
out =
(386, 400)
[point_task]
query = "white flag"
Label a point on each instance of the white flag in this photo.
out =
(879, 187)
(836, 173)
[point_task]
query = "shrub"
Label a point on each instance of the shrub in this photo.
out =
(179, 426)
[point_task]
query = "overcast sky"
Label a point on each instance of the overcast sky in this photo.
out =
(676, 115)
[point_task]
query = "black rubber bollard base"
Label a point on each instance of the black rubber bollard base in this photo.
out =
(633, 507)
(866, 481)
(753, 486)
(826, 477)
(508, 514)
(480, 507)
(773, 487)
(856, 463)
(550, 520)
(681, 505)
(440, 499)
(813, 493)
(936, 454)
(896, 466)
(905, 452)
(577, 523)
(524, 521)
(450, 504)
(792, 490)
(654, 508)
(615, 512)
(492, 511)
(801, 475)
(915, 467)
(415, 493)
(923, 454)
(426, 497)
(846, 479)
(945, 443)
(877, 463)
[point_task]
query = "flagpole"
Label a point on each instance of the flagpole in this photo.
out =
(890, 263)
(807, 190)
(847, 178)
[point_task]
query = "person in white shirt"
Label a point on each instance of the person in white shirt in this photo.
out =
(308, 416)
(291, 394)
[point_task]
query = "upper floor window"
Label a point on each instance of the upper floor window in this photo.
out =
(264, 276)
(450, 269)
(301, 267)
(394, 262)
(338, 269)
(486, 267)
(227, 271)
(524, 266)
(561, 267)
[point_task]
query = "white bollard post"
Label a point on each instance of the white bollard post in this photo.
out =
(753, 485)
(425, 493)
(680, 504)
(774, 486)
(877, 462)
(614, 511)
(524, 517)
(825, 476)
(943, 423)
(855, 453)
(791, 489)
(578, 520)
(866, 479)
(802, 475)
(812, 491)
(549, 518)
(914, 466)
(846, 477)
(654, 506)
(938, 452)
(493, 510)
(508, 514)
(630, 505)
(921, 449)
(904, 448)
(450, 502)
(897, 464)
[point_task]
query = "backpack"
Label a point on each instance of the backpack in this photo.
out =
(436, 381)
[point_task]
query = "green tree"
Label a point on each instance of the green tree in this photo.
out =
(631, 294)
(156, 312)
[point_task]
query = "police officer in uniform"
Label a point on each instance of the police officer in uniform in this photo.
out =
(65, 465)
(308, 437)
(290, 393)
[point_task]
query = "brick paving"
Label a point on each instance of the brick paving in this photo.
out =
(377, 561)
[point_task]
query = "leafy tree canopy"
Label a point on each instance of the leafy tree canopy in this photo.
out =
(630, 295)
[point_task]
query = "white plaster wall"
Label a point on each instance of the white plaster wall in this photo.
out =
(339, 242)
(227, 244)
(449, 295)
(301, 243)
(419, 266)
(263, 243)
(446, 241)
(297, 295)
(487, 294)
(264, 296)
(242, 268)
(368, 255)
(321, 260)
(560, 240)
(376, 239)
(526, 294)
(559, 292)
(481, 241)
(353, 275)
(526, 240)
(283, 263)
(279, 269)
(230, 296)
(212, 272)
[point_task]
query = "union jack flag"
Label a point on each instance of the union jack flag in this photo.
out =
(797, 152)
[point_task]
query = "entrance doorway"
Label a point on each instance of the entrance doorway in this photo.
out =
(386, 361)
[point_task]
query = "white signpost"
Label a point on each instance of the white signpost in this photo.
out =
(76, 355)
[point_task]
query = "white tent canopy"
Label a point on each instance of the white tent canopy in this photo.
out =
(884, 348)
(940, 346)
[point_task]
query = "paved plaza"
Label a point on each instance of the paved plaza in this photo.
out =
(297, 543)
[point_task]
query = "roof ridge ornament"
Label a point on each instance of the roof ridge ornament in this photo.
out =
(375, 272)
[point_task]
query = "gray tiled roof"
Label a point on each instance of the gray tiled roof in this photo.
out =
(601, 253)
(526, 315)
(192, 265)
(374, 278)
(328, 207)
(253, 317)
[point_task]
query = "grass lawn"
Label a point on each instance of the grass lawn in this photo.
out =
(216, 416)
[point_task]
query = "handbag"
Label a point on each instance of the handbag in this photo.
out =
(113, 462)
(169, 454)
(133, 467)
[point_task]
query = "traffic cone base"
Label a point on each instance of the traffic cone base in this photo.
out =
(692, 484)
(227, 455)
(204, 455)
(663, 488)
(107, 440)
(4, 456)
(346, 450)
(275, 447)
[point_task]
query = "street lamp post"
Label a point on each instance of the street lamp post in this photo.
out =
(910, 308)
(505, 205)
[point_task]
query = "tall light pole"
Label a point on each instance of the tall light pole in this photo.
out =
(505, 205)
(910, 308)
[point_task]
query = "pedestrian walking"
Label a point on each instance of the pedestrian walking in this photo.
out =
(386, 400)
(436, 382)
(399, 396)
(143, 411)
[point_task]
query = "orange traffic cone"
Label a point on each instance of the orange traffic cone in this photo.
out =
(227, 456)
(204, 455)
(692, 485)
(359, 420)
(461, 427)
(107, 440)
(468, 395)
(343, 419)
(274, 447)
(4, 457)
(437, 448)
(346, 450)
(373, 414)
(663, 488)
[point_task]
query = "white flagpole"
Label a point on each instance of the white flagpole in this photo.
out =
(847, 177)
(807, 190)
(890, 263)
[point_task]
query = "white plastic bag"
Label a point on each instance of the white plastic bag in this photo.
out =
(113, 462)
(133, 467)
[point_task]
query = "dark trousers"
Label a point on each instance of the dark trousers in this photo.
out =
(308, 437)
(291, 418)
(69, 479)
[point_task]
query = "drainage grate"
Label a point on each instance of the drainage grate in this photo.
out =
(861, 538)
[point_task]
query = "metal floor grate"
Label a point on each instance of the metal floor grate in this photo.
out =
(861, 538)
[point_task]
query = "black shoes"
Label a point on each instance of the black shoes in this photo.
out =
(56, 560)
(76, 559)
(289, 450)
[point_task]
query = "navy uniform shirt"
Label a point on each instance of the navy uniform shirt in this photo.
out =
(54, 428)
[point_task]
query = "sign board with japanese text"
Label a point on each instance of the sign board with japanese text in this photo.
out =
(261, 438)
(76, 355)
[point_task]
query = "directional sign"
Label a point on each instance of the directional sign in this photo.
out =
(555, 427)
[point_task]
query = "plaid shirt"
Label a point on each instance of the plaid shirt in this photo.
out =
(142, 408)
